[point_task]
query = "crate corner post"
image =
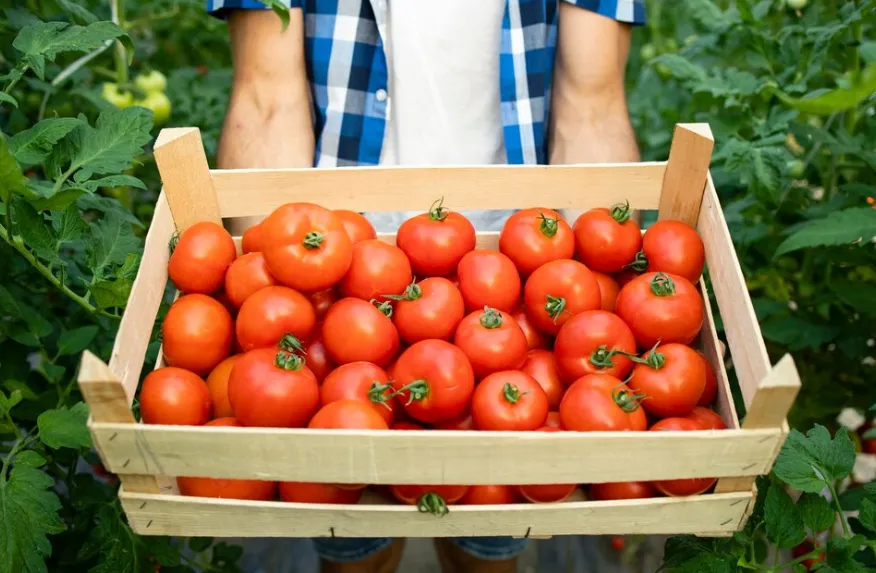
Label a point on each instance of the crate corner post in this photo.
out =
(684, 181)
(185, 177)
(108, 403)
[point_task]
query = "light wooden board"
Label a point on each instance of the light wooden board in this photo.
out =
(686, 170)
(199, 517)
(438, 457)
(248, 192)
(713, 349)
(185, 176)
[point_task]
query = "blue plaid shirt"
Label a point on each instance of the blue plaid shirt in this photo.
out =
(348, 74)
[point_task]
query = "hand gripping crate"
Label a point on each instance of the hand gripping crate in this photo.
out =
(146, 457)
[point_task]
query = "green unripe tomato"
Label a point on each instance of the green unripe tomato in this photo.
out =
(112, 94)
(663, 71)
(671, 45)
(648, 52)
(154, 81)
(796, 168)
(159, 103)
(797, 4)
(690, 40)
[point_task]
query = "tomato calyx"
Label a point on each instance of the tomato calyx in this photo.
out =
(412, 292)
(313, 240)
(639, 264)
(288, 361)
(377, 394)
(419, 390)
(662, 285)
(620, 212)
(384, 307)
(291, 344)
(174, 241)
(432, 503)
(491, 318)
(555, 306)
(548, 226)
(653, 359)
(626, 399)
(438, 212)
(602, 357)
(512, 393)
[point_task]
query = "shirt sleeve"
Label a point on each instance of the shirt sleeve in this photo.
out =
(629, 11)
(221, 8)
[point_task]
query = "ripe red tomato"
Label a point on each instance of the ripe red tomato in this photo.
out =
(557, 291)
(245, 276)
(601, 403)
(360, 381)
(272, 388)
(708, 419)
(438, 379)
(406, 426)
(534, 337)
(306, 246)
(626, 276)
(533, 237)
(432, 308)
(622, 490)
(358, 228)
(252, 239)
(492, 341)
(322, 300)
(306, 492)
(490, 495)
(463, 423)
(541, 365)
(377, 269)
(606, 240)
(176, 397)
(509, 401)
(488, 278)
(673, 377)
(660, 307)
(553, 421)
(348, 414)
(804, 548)
(217, 385)
(196, 333)
(674, 247)
(711, 389)
(681, 487)
(248, 489)
(199, 261)
(436, 241)
(546, 493)
(223, 299)
(594, 342)
(429, 498)
(608, 289)
(317, 359)
(270, 314)
(618, 542)
(355, 330)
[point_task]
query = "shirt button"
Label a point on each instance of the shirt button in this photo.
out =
(380, 95)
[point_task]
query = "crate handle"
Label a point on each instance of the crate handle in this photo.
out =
(185, 174)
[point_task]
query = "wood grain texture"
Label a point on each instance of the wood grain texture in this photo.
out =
(746, 344)
(185, 176)
(176, 515)
(135, 328)
(714, 351)
(686, 171)
(249, 192)
(437, 457)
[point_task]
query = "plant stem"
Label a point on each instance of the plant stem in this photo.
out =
(117, 9)
(835, 498)
(801, 559)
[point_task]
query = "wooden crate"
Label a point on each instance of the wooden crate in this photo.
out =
(680, 188)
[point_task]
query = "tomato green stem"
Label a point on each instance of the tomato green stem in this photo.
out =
(555, 306)
(174, 241)
(438, 212)
(432, 503)
(419, 390)
(288, 361)
(620, 212)
(512, 393)
(413, 292)
(653, 358)
(548, 226)
(602, 357)
(378, 393)
(290, 343)
(662, 285)
(313, 240)
(626, 399)
(639, 263)
(384, 307)
(491, 318)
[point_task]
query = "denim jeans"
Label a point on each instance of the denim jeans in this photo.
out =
(346, 550)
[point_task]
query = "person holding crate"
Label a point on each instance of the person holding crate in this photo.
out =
(400, 82)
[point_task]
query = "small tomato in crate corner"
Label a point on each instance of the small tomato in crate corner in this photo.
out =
(557, 291)
(602, 403)
(435, 242)
(708, 419)
(377, 271)
(201, 258)
(355, 330)
(176, 397)
(661, 307)
(492, 341)
(606, 240)
(594, 342)
(197, 333)
(509, 401)
(672, 376)
(674, 247)
(488, 278)
(533, 237)
(681, 487)
(431, 308)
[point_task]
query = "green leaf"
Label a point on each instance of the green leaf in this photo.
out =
(28, 514)
(114, 181)
(65, 428)
(109, 206)
(783, 521)
(199, 544)
(835, 101)
(29, 459)
(840, 555)
(851, 499)
(112, 145)
(113, 293)
(5, 97)
(60, 200)
(680, 67)
(12, 180)
(76, 340)
(708, 14)
(33, 145)
(76, 12)
(838, 228)
(112, 242)
(225, 554)
(869, 434)
(36, 324)
(36, 232)
(118, 549)
(7, 403)
(281, 9)
(797, 333)
(809, 463)
(868, 52)
(689, 554)
(867, 516)
(817, 513)
(69, 226)
(858, 295)
(45, 40)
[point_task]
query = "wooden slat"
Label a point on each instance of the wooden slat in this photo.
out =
(349, 456)
(747, 348)
(107, 401)
(135, 328)
(686, 170)
(246, 192)
(175, 515)
(185, 175)
(714, 351)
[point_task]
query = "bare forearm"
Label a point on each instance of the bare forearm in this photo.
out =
(589, 132)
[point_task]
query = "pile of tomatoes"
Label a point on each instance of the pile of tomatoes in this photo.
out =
(319, 324)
